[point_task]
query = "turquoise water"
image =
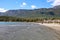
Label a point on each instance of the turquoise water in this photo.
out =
(7, 23)
(16, 23)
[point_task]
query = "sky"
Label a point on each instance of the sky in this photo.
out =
(27, 4)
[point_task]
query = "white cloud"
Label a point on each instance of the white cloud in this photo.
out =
(33, 6)
(23, 4)
(2, 10)
(54, 2)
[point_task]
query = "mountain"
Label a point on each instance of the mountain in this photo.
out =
(1, 13)
(57, 7)
(55, 11)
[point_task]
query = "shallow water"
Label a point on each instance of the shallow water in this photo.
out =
(25, 31)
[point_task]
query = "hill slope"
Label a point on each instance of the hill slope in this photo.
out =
(42, 12)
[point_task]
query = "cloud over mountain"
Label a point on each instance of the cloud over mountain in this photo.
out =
(2, 10)
(54, 2)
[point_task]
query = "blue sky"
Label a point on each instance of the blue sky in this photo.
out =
(27, 4)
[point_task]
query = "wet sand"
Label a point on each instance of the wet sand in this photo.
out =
(28, 31)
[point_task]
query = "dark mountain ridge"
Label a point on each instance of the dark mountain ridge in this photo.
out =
(33, 13)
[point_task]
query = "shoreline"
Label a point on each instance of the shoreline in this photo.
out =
(51, 25)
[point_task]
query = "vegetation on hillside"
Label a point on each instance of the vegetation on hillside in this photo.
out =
(36, 15)
(18, 19)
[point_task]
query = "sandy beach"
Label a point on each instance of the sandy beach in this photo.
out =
(54, 27)
(51, 25)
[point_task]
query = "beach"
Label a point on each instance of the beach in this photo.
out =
(28, 31)
(52, 25)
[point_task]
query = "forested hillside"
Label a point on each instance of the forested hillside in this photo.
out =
(35, 14)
